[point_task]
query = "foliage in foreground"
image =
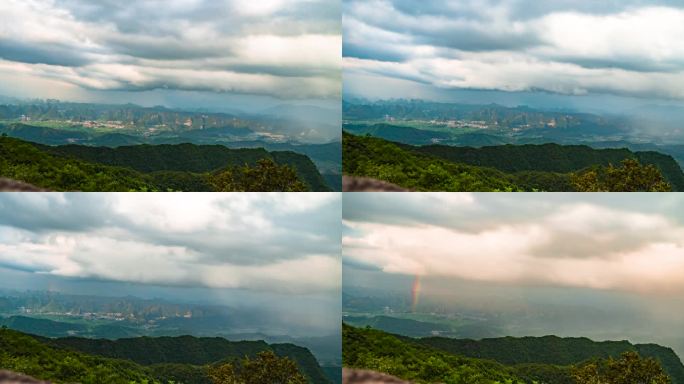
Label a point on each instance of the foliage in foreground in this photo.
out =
(265, 176)
(266, 368)
(24, 354)
(628, 369)
(29, 163)
(419, 362)
(631, 176)
(549, 167)
(383, 352)
(383, 160)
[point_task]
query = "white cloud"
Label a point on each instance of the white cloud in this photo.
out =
(576, 244)
(631, 50)
(264, 47)
(263, 242)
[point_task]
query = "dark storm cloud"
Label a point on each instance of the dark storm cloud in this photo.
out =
(570, 47)
(271, 242)
(49, 212)
(280, 48)
(13, 50)
(625, 243)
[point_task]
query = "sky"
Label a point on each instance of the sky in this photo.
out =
(516, 49)
(179, 53)
(606, 266)
(249, 249)
(631, 243)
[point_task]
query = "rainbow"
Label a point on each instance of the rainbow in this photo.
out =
(415, 293)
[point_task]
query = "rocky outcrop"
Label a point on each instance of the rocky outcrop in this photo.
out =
(7, 377)
(355, 376)
(8, 185)
(365, 184)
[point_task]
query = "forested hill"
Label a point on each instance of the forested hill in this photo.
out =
(189, 158)
(190, 350)
(157, 168)
(23, 353)
(551, 167)
(554, 350)
(543, 360)
(552, 158)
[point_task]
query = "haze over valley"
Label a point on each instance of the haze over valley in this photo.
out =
(224, 269)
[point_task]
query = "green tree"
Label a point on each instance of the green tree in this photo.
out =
(266, 368)
(630, 368)
(267, 175)
(631, 176)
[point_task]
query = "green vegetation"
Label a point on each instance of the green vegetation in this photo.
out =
(22, 161)
(266, 368)
(630, 177)
(528, 360)
(406, 327)
(152, 351)
(147, 360)
(383, 160)
(553, 350)
(24, 354)
(383, 352)
(628, 369)
(265, 176)
(184, 167)
(548, 167)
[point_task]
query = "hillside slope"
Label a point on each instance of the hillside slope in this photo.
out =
(190, 350)
(554, 350)
(190, 158)
(552, 158)
(383, 352)
(25, 354)
(546, 167)
(184, 167)
(387, 161)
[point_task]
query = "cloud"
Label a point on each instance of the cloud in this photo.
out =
(262, 242)
(629, 48)
(576, 242)
(280, 48)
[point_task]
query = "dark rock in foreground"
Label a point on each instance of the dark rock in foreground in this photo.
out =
(8, 185)
(354, 376)
(365, 184)
(7, 377)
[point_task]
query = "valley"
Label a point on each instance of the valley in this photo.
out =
(52, 123)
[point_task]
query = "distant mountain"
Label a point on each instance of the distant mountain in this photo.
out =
(397, 133)
(415, 328)
(408, 327)
(305, 112)
(51, 328)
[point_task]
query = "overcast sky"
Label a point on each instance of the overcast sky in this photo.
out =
(262, 243)
(164, 51)
(625, 48)
(631, 243)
